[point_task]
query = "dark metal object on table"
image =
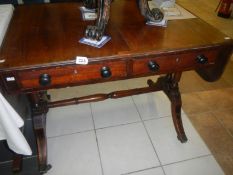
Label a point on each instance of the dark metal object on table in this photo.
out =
(96, 31)
(90, 4)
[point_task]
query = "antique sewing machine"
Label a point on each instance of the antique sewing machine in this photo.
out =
(96, 31)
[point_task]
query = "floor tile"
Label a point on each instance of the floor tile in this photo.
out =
(217, 138)
(106, 87)
(80, 91)
(153, 105)
(139, 82)
(66, 93)
(228, 73)
(114, 112)
(74, 154)
(226, 119)
(200, 166)
(192, 103)
(169, 149)
(206, 12)
(217, 99)
(125, 148)
(69, 119)
(218, 84)
(196, 83)
(153, 171)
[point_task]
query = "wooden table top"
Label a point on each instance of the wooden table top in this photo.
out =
(48, 34)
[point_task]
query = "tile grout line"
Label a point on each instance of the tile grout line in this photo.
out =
(92, 116)
(24, 158)
(123, 124)
(140, 170)
(79, 132)
(63, 135)
(202, 156)
(219, 121)
(162, 166)
(198, 157)
(148, 136)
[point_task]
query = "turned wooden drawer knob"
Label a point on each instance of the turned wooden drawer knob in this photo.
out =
(45, 79)
(202, 59)
(153, 66)
(105, 72)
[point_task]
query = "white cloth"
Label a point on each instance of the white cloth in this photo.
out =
(6, 12)
(10, 121)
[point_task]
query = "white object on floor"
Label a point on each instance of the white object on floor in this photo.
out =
(10, 122)
(6, 12)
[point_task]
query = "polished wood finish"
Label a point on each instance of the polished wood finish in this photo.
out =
(48, 34)
(41, 45)
(97, 31)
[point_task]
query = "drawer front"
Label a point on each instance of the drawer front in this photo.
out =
(63, 76)
(173, 63)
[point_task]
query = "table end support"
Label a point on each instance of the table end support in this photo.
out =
(169, 85)
(39, 102)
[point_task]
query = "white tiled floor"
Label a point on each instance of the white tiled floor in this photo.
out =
(114, 112)
(68, 120)
(132, 135)
(125, 149)
(161, 132)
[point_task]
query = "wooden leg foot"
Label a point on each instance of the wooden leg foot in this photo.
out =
(45, 168)
(182, 138)
(176, 115)
(17, 163)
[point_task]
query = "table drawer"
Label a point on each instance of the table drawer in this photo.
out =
(172, 63)
(62, 76)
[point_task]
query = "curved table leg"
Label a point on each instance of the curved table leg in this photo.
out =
(169, 84)
(39, 110)
(176, 114)
(40, 133)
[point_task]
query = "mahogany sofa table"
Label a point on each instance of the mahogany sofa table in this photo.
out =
(41, 45)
